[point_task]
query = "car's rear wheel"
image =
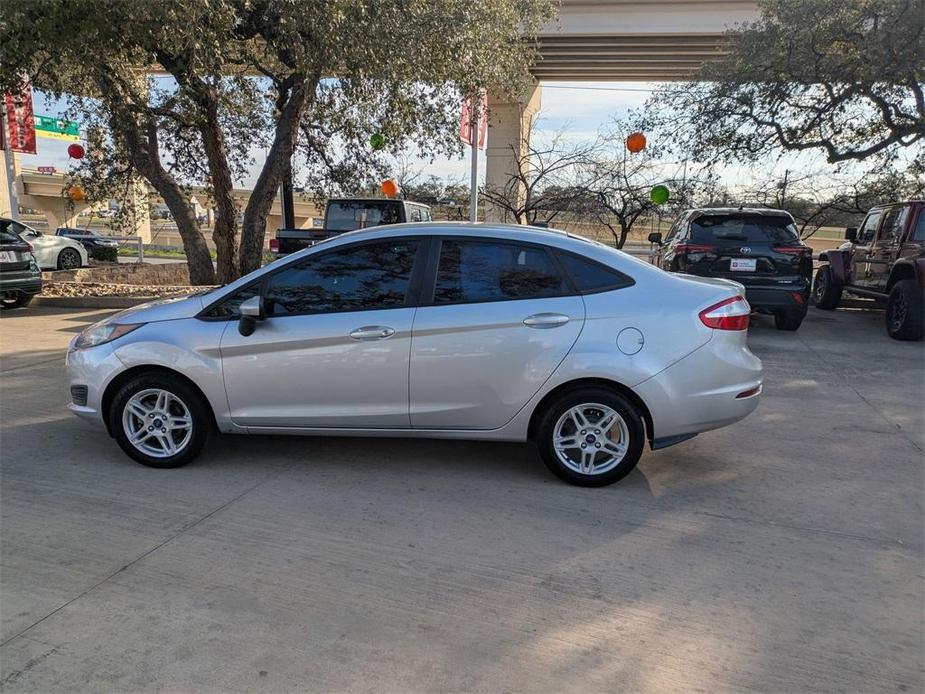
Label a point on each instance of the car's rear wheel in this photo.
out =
(826, 289)
(590, 437)
(159, 420)
(788, 320)
(905, 312)
(68, 259)
(19, 301)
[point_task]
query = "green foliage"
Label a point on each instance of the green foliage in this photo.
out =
(273, 76)
(106, 254)
(843, 78)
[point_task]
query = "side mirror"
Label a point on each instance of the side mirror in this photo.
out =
(851, 234)
(251, 312)
(656, 237)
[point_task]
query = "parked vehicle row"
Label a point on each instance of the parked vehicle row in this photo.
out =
(430, 330)
(51, 252)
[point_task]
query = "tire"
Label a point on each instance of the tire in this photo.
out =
(139, 399)
(21, 301)
(905, 311)
(592, 405)
(826, 289)
(69, 259)
(788, 320)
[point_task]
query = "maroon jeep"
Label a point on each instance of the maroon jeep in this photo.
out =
(883, 260)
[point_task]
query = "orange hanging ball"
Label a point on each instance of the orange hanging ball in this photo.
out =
(389, 187)
(76, 194)
(636, 142)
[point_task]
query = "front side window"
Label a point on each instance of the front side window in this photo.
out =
(869, 227)
(230, 307)
(894, 222)
(367, 277)
(475, 271)
(919, 233)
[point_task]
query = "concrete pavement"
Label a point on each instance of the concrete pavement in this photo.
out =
(784, 553)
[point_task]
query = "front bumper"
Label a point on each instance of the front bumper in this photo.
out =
(92, 368)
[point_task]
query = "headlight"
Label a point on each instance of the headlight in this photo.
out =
(102, 333)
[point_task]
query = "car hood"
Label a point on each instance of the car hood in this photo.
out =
(171, 308)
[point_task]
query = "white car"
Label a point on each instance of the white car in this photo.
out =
(51, 252)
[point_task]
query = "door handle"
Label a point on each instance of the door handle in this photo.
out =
(546, 320)
(372, 332)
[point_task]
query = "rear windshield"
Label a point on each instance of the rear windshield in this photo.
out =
(347, 216)
(730, 229)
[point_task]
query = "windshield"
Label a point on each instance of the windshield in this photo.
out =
(347, 216)
(749, 229)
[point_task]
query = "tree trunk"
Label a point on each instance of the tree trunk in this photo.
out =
(226, 218)
(271, 175)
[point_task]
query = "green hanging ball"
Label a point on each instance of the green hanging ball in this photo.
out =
(377, 141)
(659, 195)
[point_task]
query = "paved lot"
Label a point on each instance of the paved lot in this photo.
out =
(781, 554)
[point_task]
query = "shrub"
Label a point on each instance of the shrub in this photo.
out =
(108, 254)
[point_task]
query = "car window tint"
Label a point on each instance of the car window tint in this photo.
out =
(735, 230)
(472, 271)
(919, 233)
(893, 224)
(591, 276)
(347, 216)
(230, 307)
(869, 228)
(372, 276)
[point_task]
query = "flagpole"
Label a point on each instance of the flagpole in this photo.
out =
(474, 173)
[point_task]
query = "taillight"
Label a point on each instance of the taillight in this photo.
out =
(793, 250)
(31, 249)
(694, 248)
(274, 245)
(729, 314)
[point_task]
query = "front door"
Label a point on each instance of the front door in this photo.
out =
(333, 348)
(500, 323)
(863, 246)
(886, 248)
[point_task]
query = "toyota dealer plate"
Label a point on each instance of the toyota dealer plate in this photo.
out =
(742, 264)
(7, 257)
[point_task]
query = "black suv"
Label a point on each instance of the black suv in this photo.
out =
(20, 277)
(759, 248)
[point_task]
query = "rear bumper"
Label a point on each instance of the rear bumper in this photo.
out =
(701, 391)
(24, 282)
(777, 298)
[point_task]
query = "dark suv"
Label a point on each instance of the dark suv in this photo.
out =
(759, 248)
(883, 260)
(20, 277)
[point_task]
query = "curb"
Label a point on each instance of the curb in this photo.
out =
(90, 301)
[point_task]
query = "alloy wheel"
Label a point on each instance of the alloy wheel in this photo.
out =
(157, 423)
(70, 259)
(591, 438)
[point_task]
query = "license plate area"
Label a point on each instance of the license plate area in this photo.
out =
(9, 257)
(743, 264)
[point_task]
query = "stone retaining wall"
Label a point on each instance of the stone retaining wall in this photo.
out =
(168, 274)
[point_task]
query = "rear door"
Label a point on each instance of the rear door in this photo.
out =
(746, 248)
(501, 318)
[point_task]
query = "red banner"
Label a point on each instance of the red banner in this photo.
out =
(20, 120)
(466, 133)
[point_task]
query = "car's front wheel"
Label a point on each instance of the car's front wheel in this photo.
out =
(590, 437)
(68, 259)
(159, 420)
(826, 289)
(904, 311)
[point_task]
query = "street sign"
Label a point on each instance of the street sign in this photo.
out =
(57, 128)
(20, 121)
(466, 133)
(47, 170)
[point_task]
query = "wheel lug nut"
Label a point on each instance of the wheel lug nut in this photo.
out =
(164, 430)
(584, 445)
(150, 428)
(583, 432)
(597, 445)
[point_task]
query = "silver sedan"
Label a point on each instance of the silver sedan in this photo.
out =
(462, 331)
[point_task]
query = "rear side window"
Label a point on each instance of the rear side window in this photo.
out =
(590, 276)
(358, 278)
(731, 230)
(475, 271)
(347, 216)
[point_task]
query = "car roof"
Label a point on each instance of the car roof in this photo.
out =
(765, 211)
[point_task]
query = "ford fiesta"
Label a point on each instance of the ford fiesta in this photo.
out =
(461, 331)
